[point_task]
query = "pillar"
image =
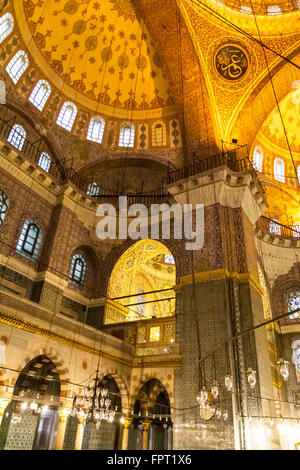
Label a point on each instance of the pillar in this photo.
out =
(127, 423)
(146, 426)
(61, 429)
(166, 437)
(79, 434)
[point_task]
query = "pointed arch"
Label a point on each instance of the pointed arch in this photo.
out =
(17, 66)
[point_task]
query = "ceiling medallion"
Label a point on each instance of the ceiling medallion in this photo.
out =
(124, 8)
(231, 62)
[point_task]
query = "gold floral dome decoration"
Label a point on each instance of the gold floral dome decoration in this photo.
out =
(97, 53)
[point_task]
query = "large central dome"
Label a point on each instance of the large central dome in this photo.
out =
(99, 53)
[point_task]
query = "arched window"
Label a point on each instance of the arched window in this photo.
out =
(17, 136)
(169, 259)
(127, 132)
(67, 115)
(40, 94)
(44, 161)
(274, 10)
(4, 203)
(159, 134)
(96, 129)
(279, 170)
(293, 303)
(17, 66)
(30, 239)
(2, 352)
(298, 173)
(6, 26)
(93, 189)
(78, 269)
(245, 9)
(296, 228)
(140, 307)
(258, 158)
(275, 227)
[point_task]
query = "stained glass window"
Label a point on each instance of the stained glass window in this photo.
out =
(6, 26)
(159, 134)
(17, 66)
(169, 259)
(139, 299)
(67, 116)
(44, 161)
(296, 230)
(279, 172)
(293, 303)
(245, 9)
(258, 158)
(127, 132)
(4, 203)
(274, 10)
(275, 227)
(96, 129)
(78, 269)
(93, 189)
(154, 333)
(17, 136)
(40, 94)
(30, 239)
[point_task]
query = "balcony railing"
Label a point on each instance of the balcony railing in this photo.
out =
(154, 336)
(29, 150)
(276, 229)
(236, 160)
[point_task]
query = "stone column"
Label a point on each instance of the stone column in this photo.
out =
(79, 434)
(166, 437)
(61, 429)
(127, 423)
(146, 426)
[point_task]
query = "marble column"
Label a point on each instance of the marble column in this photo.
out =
(125, 437)
(61, 429)
(146, 426)
(79, 434)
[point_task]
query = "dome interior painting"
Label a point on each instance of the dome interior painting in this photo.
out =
(98, 53)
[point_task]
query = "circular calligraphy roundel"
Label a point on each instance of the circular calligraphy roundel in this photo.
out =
(231, 62)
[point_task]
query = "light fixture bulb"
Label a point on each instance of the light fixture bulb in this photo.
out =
(251, 376)
(33, 405)
(215, 389)
(202, 397)
(228, 382)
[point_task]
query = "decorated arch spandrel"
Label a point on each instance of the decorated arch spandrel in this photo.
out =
(140, 270)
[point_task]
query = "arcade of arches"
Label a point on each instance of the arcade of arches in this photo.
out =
(123, 343)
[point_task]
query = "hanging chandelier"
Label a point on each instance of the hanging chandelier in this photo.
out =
(94, 404)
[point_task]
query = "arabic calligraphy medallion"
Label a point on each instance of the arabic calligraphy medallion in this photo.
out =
(231, 62)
